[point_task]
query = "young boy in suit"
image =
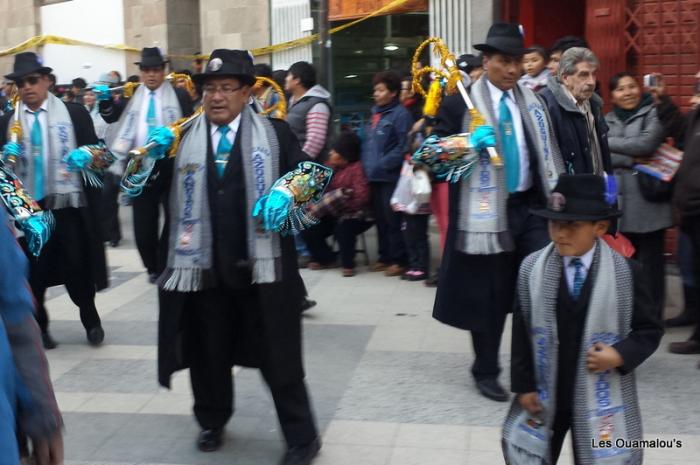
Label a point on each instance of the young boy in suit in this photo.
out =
(583, 322)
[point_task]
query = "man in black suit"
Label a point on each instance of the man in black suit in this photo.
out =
(222, 299)
(157, 103)
(74, 255)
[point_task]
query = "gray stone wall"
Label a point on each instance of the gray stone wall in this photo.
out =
(234, 24)
(19, 20)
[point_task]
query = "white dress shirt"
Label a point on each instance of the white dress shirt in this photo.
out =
(496, 93)
(231, 135)
(142, 131)
(27, 123)
(570, 270)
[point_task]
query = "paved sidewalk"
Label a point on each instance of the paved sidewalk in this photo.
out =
(390, 385)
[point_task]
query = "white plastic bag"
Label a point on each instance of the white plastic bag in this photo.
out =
(403, 199)
(421, 187)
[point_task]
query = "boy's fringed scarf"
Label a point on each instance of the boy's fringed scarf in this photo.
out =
(62, 189)
(482, 225)
(190, 254)
(605, 404)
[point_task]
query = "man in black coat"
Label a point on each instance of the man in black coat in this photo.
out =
(147, 206)
(224, 313)
(577, 113)
(74, 255)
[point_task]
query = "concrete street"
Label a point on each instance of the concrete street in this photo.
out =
(390, 386)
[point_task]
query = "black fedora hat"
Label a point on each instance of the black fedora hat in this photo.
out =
(228, 63)
(506, 38)
(580, 197)
(27, 63)
(151, 57)
(468, 62)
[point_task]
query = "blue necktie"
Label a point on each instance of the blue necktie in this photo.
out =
(509, 144)
(222, 151)
(578, 277)
(36, 138)
(151, 119)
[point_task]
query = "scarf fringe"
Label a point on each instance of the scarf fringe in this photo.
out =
(485, 243)
(264, 270)
(70, 200)
(92, 179)
(515, 455)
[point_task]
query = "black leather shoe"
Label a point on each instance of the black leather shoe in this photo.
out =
(492, 389)
(48, 341)
(307, 304)
(114, 243)
(95, 336)
(302, 455)
(684, 319)
(210, 440)
(152, 278)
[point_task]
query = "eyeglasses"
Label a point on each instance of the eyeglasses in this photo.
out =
(226, 90)
(31, 80)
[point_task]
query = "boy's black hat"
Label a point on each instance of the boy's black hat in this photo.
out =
(505, 38)
(347, 144)
(27, 63)
(579, 197)
(151, 57)
(224, 62)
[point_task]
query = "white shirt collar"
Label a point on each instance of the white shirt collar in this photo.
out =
(586, 259)
(497, 93)
(233, 125)
(44, 106)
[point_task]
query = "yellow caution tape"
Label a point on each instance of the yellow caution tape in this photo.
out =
(39, 41)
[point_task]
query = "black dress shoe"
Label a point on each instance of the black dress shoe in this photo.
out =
(684, 319)
(302, 455)
(95, 336)
(210, 440)
(152, 278)
(114, 243)
(307, 304)
(48, 341)
(492, 389)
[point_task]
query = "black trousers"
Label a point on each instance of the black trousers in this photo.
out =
(345, 232)
(65, 257)
(147, 231)
(562, 424)
(691, 226)
(650, 253)
(212, 320)
(417, 245)
(109, 211)
(530, 234)
(392, 249)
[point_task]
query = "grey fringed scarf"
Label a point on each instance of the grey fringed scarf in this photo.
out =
(605, 404)
(190, 258)
(62, 189)
(482, 226)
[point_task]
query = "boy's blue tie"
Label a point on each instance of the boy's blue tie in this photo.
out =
(222, 151)
(509, 144)
(36, 137)
(578, 276)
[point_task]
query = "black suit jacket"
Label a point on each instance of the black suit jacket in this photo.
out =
(571, 317)
(111, 110)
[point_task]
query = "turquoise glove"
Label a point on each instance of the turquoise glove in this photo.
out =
(274, 208)
(103, 93)
(12, 149)
(37, 230)
(77, 160)
(483, 137)
(163, 139)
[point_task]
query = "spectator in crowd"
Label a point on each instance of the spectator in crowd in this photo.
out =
(634, 134)
(263, 92)
(5, 95)
(535, 67)
(134, 78)
(197, 64)
(27, 400)
(686, 201)
(77, 88)
(410, 100)
(576, 113)
(279, 76)
(309, 111)
(344, 209)
(115, 76)
(560, 46)
(382, 156)
(52, 85)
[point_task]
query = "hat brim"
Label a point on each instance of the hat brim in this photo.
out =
(149, 64)
(243, 78)
(505, 50)
(40, 70)
(568, 216)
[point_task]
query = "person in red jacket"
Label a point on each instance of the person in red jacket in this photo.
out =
(344, 208)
